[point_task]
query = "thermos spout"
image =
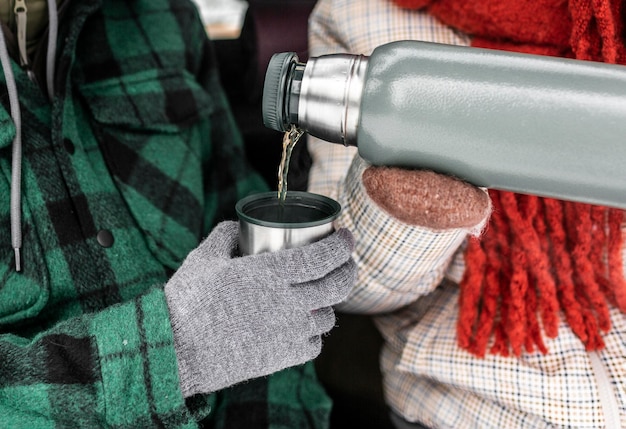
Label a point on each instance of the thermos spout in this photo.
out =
(322, 97)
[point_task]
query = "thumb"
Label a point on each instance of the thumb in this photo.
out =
(426, 198)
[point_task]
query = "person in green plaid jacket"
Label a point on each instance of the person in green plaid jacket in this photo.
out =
(118, 156)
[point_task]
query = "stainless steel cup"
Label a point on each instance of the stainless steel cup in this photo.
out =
(267, 226)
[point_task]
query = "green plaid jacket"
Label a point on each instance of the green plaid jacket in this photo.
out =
(123, 174)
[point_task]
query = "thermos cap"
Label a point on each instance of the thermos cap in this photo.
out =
(274, 90)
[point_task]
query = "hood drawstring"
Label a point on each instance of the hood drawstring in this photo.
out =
(53, 27)
(16, 164)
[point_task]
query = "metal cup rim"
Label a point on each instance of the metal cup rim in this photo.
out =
(302, 197)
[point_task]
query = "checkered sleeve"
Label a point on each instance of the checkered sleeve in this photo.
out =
(357, 27)
(398, 263)
(138, 369)
(116, 368)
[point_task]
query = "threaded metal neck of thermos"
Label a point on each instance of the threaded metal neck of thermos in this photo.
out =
(322, 97)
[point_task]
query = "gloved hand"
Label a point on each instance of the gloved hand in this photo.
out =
(426, 198)
(236, 318)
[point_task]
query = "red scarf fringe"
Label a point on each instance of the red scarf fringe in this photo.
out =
(540, 258)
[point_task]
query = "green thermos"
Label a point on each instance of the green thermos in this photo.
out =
(531, 124)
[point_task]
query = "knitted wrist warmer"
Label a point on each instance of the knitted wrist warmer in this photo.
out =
(425, 198)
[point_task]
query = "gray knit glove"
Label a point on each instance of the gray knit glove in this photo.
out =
(237, 318)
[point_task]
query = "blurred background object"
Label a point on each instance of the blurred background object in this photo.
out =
(223, 19)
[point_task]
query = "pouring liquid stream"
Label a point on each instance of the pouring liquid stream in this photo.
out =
(290, 138)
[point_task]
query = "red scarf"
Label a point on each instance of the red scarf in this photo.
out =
(538, 256)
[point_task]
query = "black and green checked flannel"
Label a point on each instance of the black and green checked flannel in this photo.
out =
(138, 146)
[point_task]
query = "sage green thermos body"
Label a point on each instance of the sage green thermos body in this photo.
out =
(531, 124)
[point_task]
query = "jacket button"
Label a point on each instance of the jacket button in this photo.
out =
(69, 146)
(105, 238)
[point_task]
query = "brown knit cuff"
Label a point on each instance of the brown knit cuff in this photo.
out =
(425, 198)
